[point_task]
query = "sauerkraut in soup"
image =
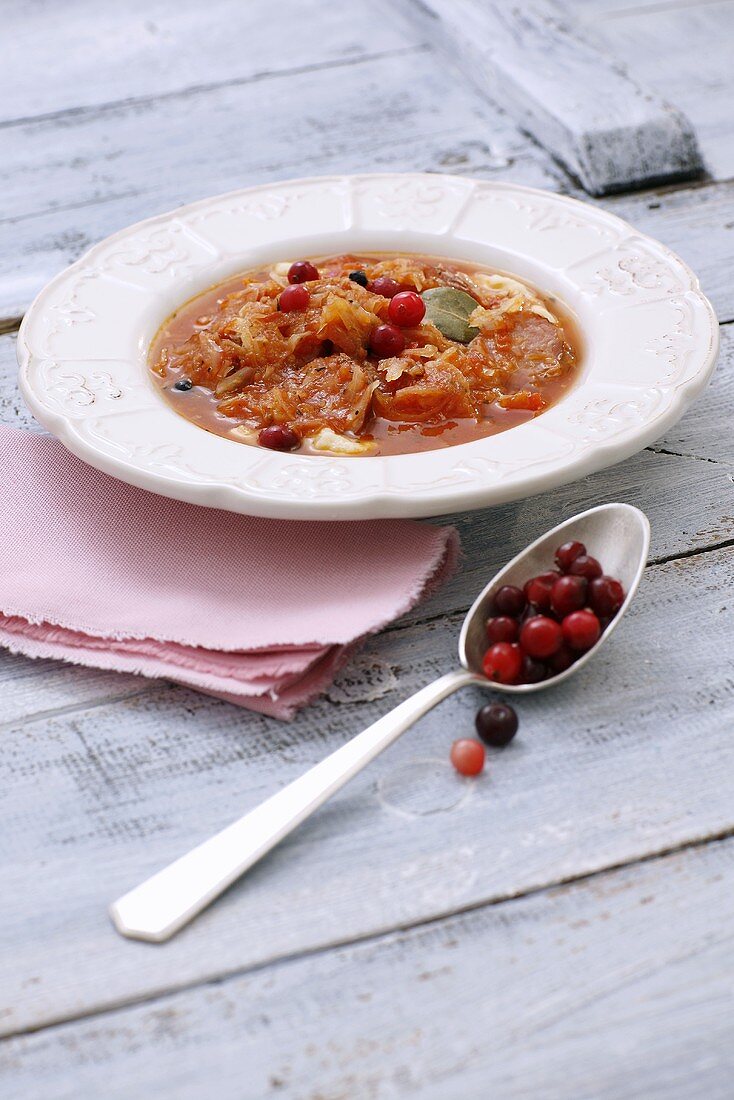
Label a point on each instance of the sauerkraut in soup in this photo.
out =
(365, 355)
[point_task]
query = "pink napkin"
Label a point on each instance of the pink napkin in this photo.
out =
(260, 612)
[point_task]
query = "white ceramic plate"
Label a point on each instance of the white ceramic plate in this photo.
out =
(650, 338)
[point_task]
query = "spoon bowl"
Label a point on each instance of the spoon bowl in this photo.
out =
(617, 534)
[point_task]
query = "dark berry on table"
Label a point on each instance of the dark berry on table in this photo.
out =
(502, 629)
(538, 589)
(467, 756)
(407, 309)
(567, 553)
(496, 724)
(183, 384)
(278, 438)
(359, 277)
(293, 298)
(532, 671)
(581, 630)
(302, 272)
(387, 288)
(386, 341)
(509, 600)
(606, 596)
(585, 566)
(562, 659)
(568, 594)
(503, 662)
(541, 637)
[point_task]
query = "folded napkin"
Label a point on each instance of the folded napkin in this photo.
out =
(260, 612)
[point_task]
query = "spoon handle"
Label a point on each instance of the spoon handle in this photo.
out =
(169, 899)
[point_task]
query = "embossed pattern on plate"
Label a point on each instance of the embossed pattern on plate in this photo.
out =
(650, 337)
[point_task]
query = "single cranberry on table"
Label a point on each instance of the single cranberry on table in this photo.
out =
(386, 288)
(538, 589)
(496, 724)
(278, 438)
(502, 629)
(386, 341)
(509, 600)
(467, 756)
(606, 596)
(568, 553)
(302, 272)
(407, 309)
(568, 594)
(585, 566)
(581, 630)
(541, 637)
(293, 298)
(503, 662)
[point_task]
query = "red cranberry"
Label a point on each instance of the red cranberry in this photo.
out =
(385, 287)
(606, 596)
(541, 636)
(509, 600)
(278, 438)
(406, 309)
(561, 660)
(581, 630)
(532, 671)
(496, 724)
(568, 553)
(503, 662)
(302, 272)
(538, 589)
(467, 756)
(585, 566)
(386, 341)
(502, 629)
(568, 594)
(293, 298)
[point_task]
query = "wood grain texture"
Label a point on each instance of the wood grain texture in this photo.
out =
(514, 1001)
(67, 183)
(682, 50)
(56, 59)
(538, 66)
(131, 785)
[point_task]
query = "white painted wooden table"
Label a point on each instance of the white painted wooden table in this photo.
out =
(562, 929)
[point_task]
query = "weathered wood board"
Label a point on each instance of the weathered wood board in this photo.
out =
(614, 987)
(683, 51)
(610, 132)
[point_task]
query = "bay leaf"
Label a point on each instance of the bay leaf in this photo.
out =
(449, 310)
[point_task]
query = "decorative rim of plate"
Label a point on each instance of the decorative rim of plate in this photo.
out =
(650, 335)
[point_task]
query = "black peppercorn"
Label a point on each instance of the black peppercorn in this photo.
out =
(359, 277)
(183, 384)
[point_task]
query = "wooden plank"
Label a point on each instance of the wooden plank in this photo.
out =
(125, 788)
(538, 67)
(66, 186)
(512, 1001)
(683, 51)
(55, 59)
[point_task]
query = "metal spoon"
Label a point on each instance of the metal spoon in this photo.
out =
(618, 534)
